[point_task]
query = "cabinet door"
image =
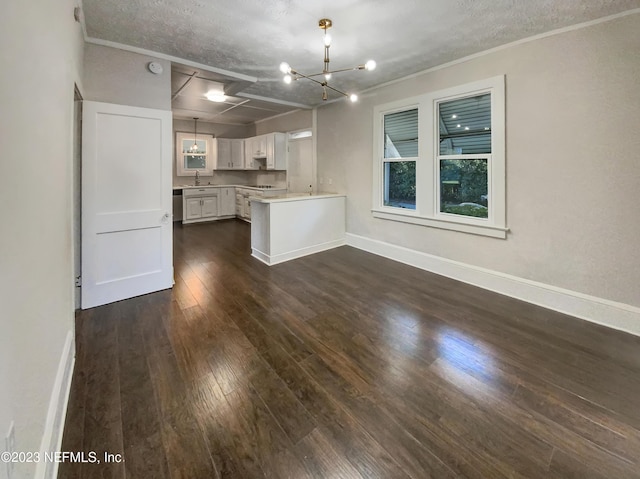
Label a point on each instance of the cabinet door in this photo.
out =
(237, 154)
(248, 153)
(270, 150)
(194, 208)
(227, 202)
(239, 204)
(209, 206)
(224, 154)
(261, 145)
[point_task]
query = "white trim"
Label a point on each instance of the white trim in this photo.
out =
(437, 222)
(612, 314)
(516, 43)
(171, 58)
(272, 100)
(282, 257)
(276, 116)
(54, 426)
(314, 149)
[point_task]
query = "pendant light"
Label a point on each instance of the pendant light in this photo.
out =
(194, 147)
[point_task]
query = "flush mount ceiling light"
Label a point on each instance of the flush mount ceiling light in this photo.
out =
(291, 74)
(216, 96)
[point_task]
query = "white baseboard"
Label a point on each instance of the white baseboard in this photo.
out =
(289, 255)
(615, 315)
(52, 437)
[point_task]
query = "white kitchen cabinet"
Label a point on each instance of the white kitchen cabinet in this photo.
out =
(227, 201)
(254, 148)
(237, 154)
(199, 204)
(276, 151)
(266, 152)
(230, 154)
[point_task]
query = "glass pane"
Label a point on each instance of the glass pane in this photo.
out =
(194, 162)
(464, 187)
(400, 184)
(401, 134)
(465, 125)
(187, 146)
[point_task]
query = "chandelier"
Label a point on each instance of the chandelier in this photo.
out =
(291, 74)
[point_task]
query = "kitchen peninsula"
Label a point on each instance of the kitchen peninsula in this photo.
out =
(289, 226)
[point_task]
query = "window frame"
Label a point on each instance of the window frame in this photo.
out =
(387, 161)
(209, 154)
(428, 162)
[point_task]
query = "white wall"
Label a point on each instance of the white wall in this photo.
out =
(573, 176)
(41, 58)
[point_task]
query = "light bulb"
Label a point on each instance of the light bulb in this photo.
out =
(287, 79)
(327, 40)
(353, 97)
(370, 65)
(285, 68)
(327, 76)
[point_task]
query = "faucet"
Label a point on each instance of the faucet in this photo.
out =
(197, 181)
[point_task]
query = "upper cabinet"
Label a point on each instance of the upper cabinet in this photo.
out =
(194, 154)
(230, 154)
(266, 152)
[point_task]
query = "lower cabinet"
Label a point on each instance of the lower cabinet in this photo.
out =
(199, 204)
(208, 203)
(227, 201)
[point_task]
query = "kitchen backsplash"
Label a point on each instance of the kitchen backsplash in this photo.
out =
(274, 178)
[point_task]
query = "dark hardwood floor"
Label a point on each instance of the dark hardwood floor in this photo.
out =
(344, 365)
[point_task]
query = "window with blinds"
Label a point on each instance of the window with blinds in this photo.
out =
(400, 155)
(440, 159)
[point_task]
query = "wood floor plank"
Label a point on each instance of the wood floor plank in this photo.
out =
(344, 364)
(141, 422)
(102, 419)
(185, 446)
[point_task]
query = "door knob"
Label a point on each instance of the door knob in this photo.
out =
(165, 218)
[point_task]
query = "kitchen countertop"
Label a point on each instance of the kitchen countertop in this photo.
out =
(186, 187)
(295, 197)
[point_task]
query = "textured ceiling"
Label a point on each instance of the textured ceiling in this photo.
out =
(404, 36)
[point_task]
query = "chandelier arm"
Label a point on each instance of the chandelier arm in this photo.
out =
(336, 90)
(323, 84)
(302, 75)
(334, 71)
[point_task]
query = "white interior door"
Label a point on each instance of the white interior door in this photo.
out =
(126, 202)
(300, 165)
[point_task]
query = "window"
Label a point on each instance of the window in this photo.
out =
(190, 159)
(440, 159)
(464, 154)
(400, 155)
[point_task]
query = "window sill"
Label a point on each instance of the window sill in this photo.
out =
(414, 218)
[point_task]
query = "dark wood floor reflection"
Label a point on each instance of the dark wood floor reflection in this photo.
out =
(344, 365)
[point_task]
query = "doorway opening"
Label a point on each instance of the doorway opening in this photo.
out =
(77, 194)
